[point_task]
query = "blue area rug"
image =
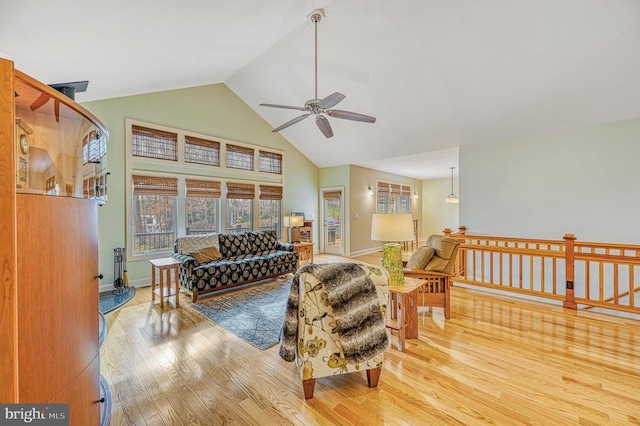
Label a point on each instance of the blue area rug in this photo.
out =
(110, 301)
(254, 314)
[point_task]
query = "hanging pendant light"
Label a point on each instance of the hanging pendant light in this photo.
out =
(452, 198)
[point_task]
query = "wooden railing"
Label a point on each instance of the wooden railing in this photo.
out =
(580, 274)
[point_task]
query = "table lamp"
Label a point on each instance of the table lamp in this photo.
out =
(295, 222)
(392, 228)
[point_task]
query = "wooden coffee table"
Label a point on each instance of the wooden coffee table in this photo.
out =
(402, 310)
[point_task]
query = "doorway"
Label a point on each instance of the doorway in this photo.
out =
(333, 224)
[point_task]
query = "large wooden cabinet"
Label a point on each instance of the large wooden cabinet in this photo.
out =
(52, 174)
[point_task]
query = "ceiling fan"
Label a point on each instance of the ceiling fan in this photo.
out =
(321, 107)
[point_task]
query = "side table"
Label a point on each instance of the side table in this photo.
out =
(402, 311)
(166, 265)
(305, 253)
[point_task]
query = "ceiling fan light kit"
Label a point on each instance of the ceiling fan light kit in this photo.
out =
(321, 107)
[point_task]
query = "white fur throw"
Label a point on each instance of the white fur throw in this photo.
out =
(356, 308)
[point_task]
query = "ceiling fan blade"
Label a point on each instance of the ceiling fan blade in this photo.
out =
(324, 126)
(348, 115)
(331, 100)
(41, 100)
(284, 106)
(291, 122)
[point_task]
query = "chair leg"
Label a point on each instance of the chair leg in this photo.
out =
(373, 376)
(447, 299)
(308, 386)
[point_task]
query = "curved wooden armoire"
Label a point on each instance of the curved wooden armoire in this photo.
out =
(52, 179)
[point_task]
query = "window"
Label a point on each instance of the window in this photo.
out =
(89, 188)
(50, 185)
(201, 151)
(270, 162)
(210, 185)
(154, 143)
(154, 212)
(202, 206)
(240, 207)
(270, 208)
(94, 146)
(393, 198)
(239, 157)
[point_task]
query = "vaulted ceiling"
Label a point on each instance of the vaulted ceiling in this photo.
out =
(436, 74)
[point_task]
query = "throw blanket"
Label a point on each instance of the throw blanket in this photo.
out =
(353, 298)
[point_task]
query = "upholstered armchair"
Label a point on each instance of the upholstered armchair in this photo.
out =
(321, 333)
(433, 263)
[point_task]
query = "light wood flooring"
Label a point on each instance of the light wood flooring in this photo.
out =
(498, 360)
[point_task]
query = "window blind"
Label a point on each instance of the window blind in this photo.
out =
(202, 188)
(332, 195)
(239, 157)
(243, 191)
(153, 185)
(269, 192)
(201, 151)
(383, 188)
(270, 162)
(153, 143)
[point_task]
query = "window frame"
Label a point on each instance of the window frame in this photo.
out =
(183, 170)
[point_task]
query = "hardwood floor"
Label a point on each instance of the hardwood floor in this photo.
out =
(498, 360)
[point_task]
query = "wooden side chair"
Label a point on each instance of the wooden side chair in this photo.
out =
(434, 264)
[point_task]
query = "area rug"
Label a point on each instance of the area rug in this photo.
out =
(110, 301)
(254, 314)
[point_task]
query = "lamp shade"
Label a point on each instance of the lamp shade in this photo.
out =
(392, 227)
(296, 221)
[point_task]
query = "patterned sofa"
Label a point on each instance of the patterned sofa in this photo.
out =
(246, 257)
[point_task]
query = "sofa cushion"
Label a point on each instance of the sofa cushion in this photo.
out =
(264, 241)
(234, 245)
(420, 257)
(191, 243)
(206, 255)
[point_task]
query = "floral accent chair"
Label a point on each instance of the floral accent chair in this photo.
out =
(320, 351)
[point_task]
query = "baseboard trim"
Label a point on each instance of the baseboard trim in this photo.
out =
(365, 251)
(144, 282)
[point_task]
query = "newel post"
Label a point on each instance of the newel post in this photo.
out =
(462, 230)
(446, 232)
(569, 259)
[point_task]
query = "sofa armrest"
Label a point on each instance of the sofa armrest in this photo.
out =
(187, 264)
(285, 247)
(185, 260)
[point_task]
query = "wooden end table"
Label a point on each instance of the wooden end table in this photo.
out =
(305, 253)
(166, 265)
(402, 311)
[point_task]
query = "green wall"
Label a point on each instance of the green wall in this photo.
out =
(212, 110)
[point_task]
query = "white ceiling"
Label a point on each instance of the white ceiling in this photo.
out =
(437, 74)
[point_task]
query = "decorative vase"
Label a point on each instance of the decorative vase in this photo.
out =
(392, 262)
